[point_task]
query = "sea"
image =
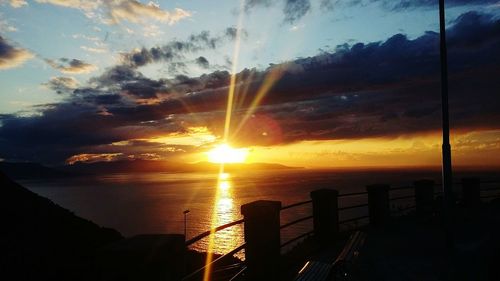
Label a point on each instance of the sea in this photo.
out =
(153, 203)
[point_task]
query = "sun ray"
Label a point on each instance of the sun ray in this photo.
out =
(227, 124)
(271, 78)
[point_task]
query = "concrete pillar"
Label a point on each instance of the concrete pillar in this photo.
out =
(424, 198)
(262, 238)
(471, 191)
(325, 214)
(378, 204)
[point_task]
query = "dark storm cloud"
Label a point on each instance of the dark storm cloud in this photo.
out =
(378, 89)
(129, 81)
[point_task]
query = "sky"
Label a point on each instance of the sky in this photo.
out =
(314, 83)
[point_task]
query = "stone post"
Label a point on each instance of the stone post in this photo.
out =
(325, 214)
(262, 238)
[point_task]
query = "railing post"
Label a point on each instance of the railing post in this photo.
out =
(471, 191)
(262, 238)
(424, 198)
(325, 214)
(378, 204)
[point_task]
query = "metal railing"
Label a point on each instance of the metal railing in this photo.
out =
(212, 231)
(205, 234)
(309, 233)
(201, 270)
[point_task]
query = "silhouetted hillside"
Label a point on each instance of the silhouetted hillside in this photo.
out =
(30, 171)
(43, 241)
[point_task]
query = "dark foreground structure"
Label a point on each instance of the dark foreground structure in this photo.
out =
(393, 241)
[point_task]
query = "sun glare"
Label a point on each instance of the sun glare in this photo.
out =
(224, 153)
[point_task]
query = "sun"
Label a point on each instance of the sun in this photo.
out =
(224, 153)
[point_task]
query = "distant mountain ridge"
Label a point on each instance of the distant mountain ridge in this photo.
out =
(125, 166)
(38, 171)
(21, 170)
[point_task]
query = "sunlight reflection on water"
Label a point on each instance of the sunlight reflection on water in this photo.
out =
(225, 211)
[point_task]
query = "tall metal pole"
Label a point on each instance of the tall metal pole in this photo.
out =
(446, 148)
(185, 223)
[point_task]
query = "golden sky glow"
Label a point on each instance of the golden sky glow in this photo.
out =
(475, 148)
(469, 149)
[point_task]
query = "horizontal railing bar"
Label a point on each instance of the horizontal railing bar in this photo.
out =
(227, 267)
(403, 209)
(208, 232)
(401, 188)
(353, 219)
(352, 207)
(491, 181)
(196, 272)
(297, 238)
(490, 188)
(296, 204)
(237, 275)
(490, 196)
(296, 221)
(402, 197)
(353, 194)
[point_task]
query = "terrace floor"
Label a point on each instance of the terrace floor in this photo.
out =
(412, 249)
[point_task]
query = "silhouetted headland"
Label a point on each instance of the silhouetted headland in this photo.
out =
(43, 241)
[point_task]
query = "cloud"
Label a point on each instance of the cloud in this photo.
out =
(71, 66)
(94, 50)
(93, 157)
(174, 51)
(76, 4)
(18, 3)
(202, 62)
(250, 4)
(5, 26)
(62, 84)
(400, 4)
(365, 90)
(294, 10)
(116, 11)
(406, 4)
(11, 56)
(135, 11)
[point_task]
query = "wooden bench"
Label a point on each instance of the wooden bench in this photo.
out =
(341, 268)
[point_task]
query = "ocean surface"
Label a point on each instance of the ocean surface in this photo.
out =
(154, 202)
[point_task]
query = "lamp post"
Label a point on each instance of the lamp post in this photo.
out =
(446, 148)
(185, 223)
